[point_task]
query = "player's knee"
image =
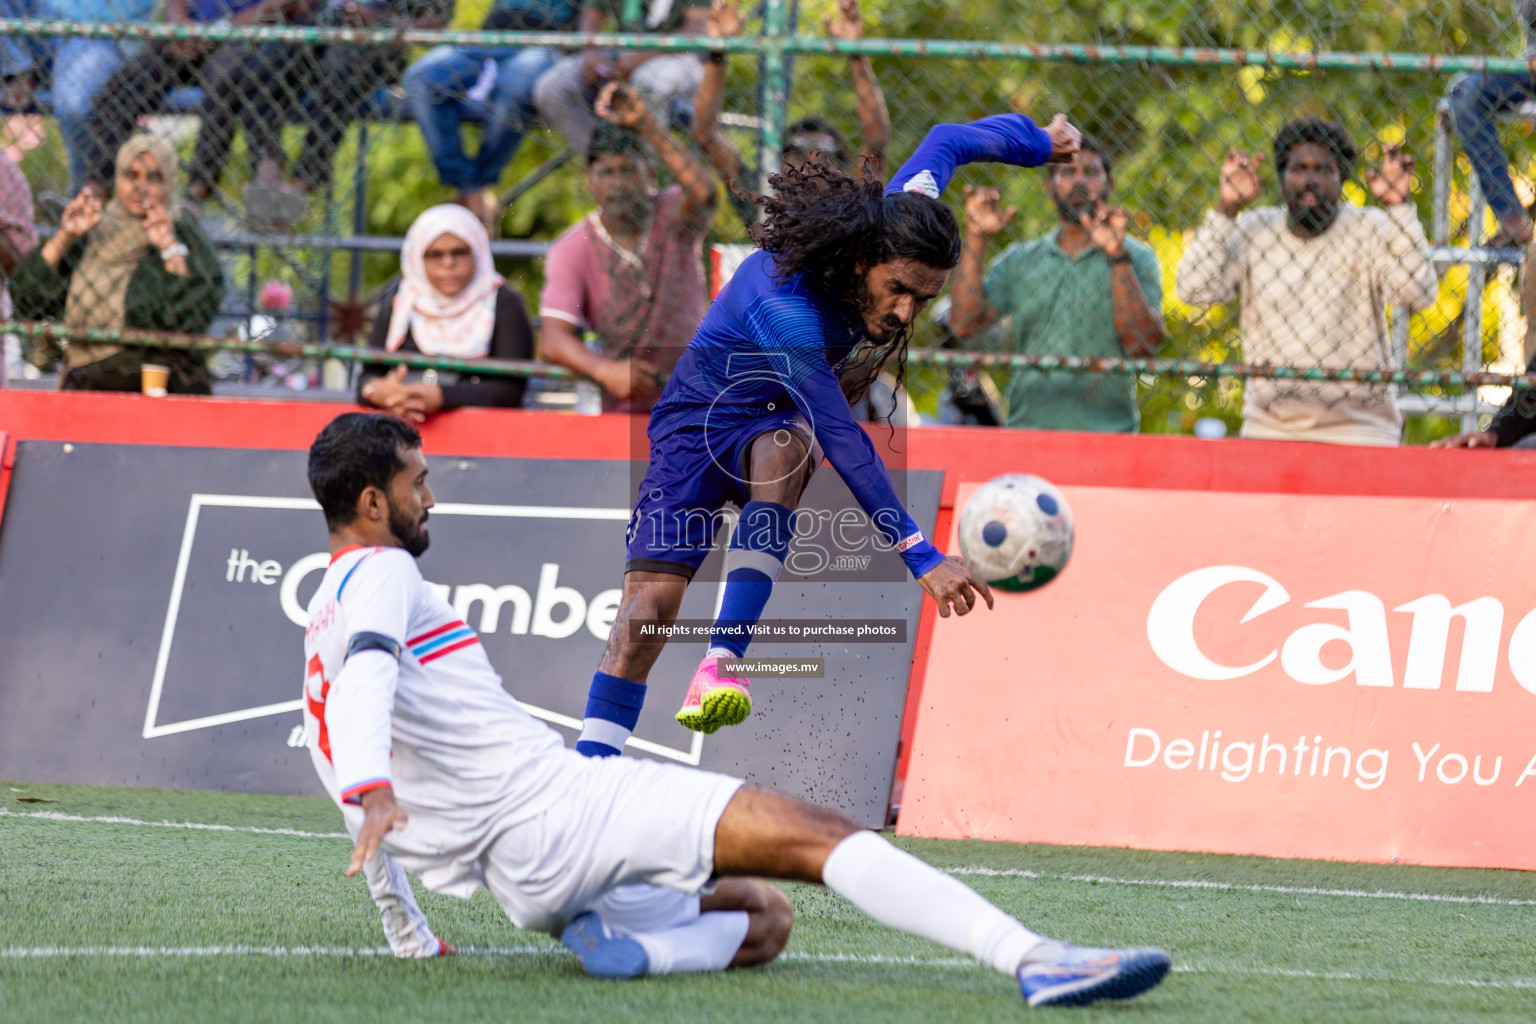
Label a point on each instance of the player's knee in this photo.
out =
(651, 595)
(780, 468)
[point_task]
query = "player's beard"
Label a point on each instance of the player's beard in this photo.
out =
(864, 366)
(413, 536)
(894, 332)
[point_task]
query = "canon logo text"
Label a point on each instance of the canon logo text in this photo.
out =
(1171, 633)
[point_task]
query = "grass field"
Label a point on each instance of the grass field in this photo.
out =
(133, 920)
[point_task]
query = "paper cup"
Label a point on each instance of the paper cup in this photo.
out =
(153, 379)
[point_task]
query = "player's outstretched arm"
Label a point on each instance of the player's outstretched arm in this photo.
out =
(951, 584)
(791, 327)
(381, 816)
(1001, 138)
(359, 710)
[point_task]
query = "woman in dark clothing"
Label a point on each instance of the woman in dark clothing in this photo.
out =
(140, 263)
(450, 302)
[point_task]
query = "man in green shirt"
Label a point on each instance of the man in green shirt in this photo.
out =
(1084, 289)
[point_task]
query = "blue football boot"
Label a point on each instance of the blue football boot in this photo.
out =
(602, 953)
(1084, 974)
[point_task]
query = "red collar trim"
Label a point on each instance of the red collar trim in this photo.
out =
(345, 551)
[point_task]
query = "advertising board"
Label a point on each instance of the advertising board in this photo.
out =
(1298, 675)
(152, 602)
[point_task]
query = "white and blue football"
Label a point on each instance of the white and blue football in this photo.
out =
(1016, 532)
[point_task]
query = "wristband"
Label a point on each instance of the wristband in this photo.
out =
(1124, 257)
(170, 252)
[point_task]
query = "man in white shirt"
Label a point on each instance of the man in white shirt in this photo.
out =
(1314, 276)
(434, 763)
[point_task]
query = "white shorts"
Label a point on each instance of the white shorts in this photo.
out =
(619, 821)
(645, 909)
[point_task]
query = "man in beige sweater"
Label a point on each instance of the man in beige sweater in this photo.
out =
(1315, 277)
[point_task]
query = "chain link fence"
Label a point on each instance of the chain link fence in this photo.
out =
(306, 138)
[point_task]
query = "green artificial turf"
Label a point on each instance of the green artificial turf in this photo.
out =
(1257, 949)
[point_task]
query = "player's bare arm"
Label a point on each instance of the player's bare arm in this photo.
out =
(951, 585)
(381, 816)
(1066, 139)
(970, 312)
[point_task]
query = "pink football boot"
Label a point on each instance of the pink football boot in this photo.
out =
(714, 700)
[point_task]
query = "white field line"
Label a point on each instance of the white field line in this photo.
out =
(1286, 972)
(1290, 890)
(50, 952)
(109, 820)
(874, 959)
(1163, 883)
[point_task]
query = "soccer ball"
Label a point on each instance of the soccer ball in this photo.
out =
(1016, 532)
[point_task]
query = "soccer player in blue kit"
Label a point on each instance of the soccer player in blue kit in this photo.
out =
(844, 265)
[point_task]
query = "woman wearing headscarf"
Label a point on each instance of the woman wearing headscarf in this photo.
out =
(450, 302)
(140, 263)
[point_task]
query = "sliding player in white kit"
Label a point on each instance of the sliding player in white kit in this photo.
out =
(434, 763)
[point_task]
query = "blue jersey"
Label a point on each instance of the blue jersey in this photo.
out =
(769, 343)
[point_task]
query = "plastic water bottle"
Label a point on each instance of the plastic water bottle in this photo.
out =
(589, 397)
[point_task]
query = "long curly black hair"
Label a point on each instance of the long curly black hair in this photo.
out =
(832, 227)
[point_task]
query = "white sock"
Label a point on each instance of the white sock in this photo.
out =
(901, 892)
(707, 944)
(405, 925)
(719, 652)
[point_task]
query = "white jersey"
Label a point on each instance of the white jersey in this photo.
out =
(463, 758)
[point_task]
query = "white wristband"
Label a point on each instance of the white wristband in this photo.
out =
(170, 252)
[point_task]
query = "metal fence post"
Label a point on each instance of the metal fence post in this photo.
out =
(1444, 167)
(775, 90)
(1472, 306)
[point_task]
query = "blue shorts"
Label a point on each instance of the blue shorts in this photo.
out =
(693, 472)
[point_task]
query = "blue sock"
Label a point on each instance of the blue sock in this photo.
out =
(759, 545)
(613, 708)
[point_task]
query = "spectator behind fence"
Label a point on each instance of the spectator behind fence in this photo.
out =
(241, 85)
(494, 84)
(631, 271)
(23, 59)
(1084, 289)
(1476, 101)
(1313, 276)
(325, 87)
(450, 302)
(142, 263)
(18, 237)
(564, 95)
(345, 78)
(807, 136)
(81, 70)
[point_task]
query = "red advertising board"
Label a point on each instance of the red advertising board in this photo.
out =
(1297, 675)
